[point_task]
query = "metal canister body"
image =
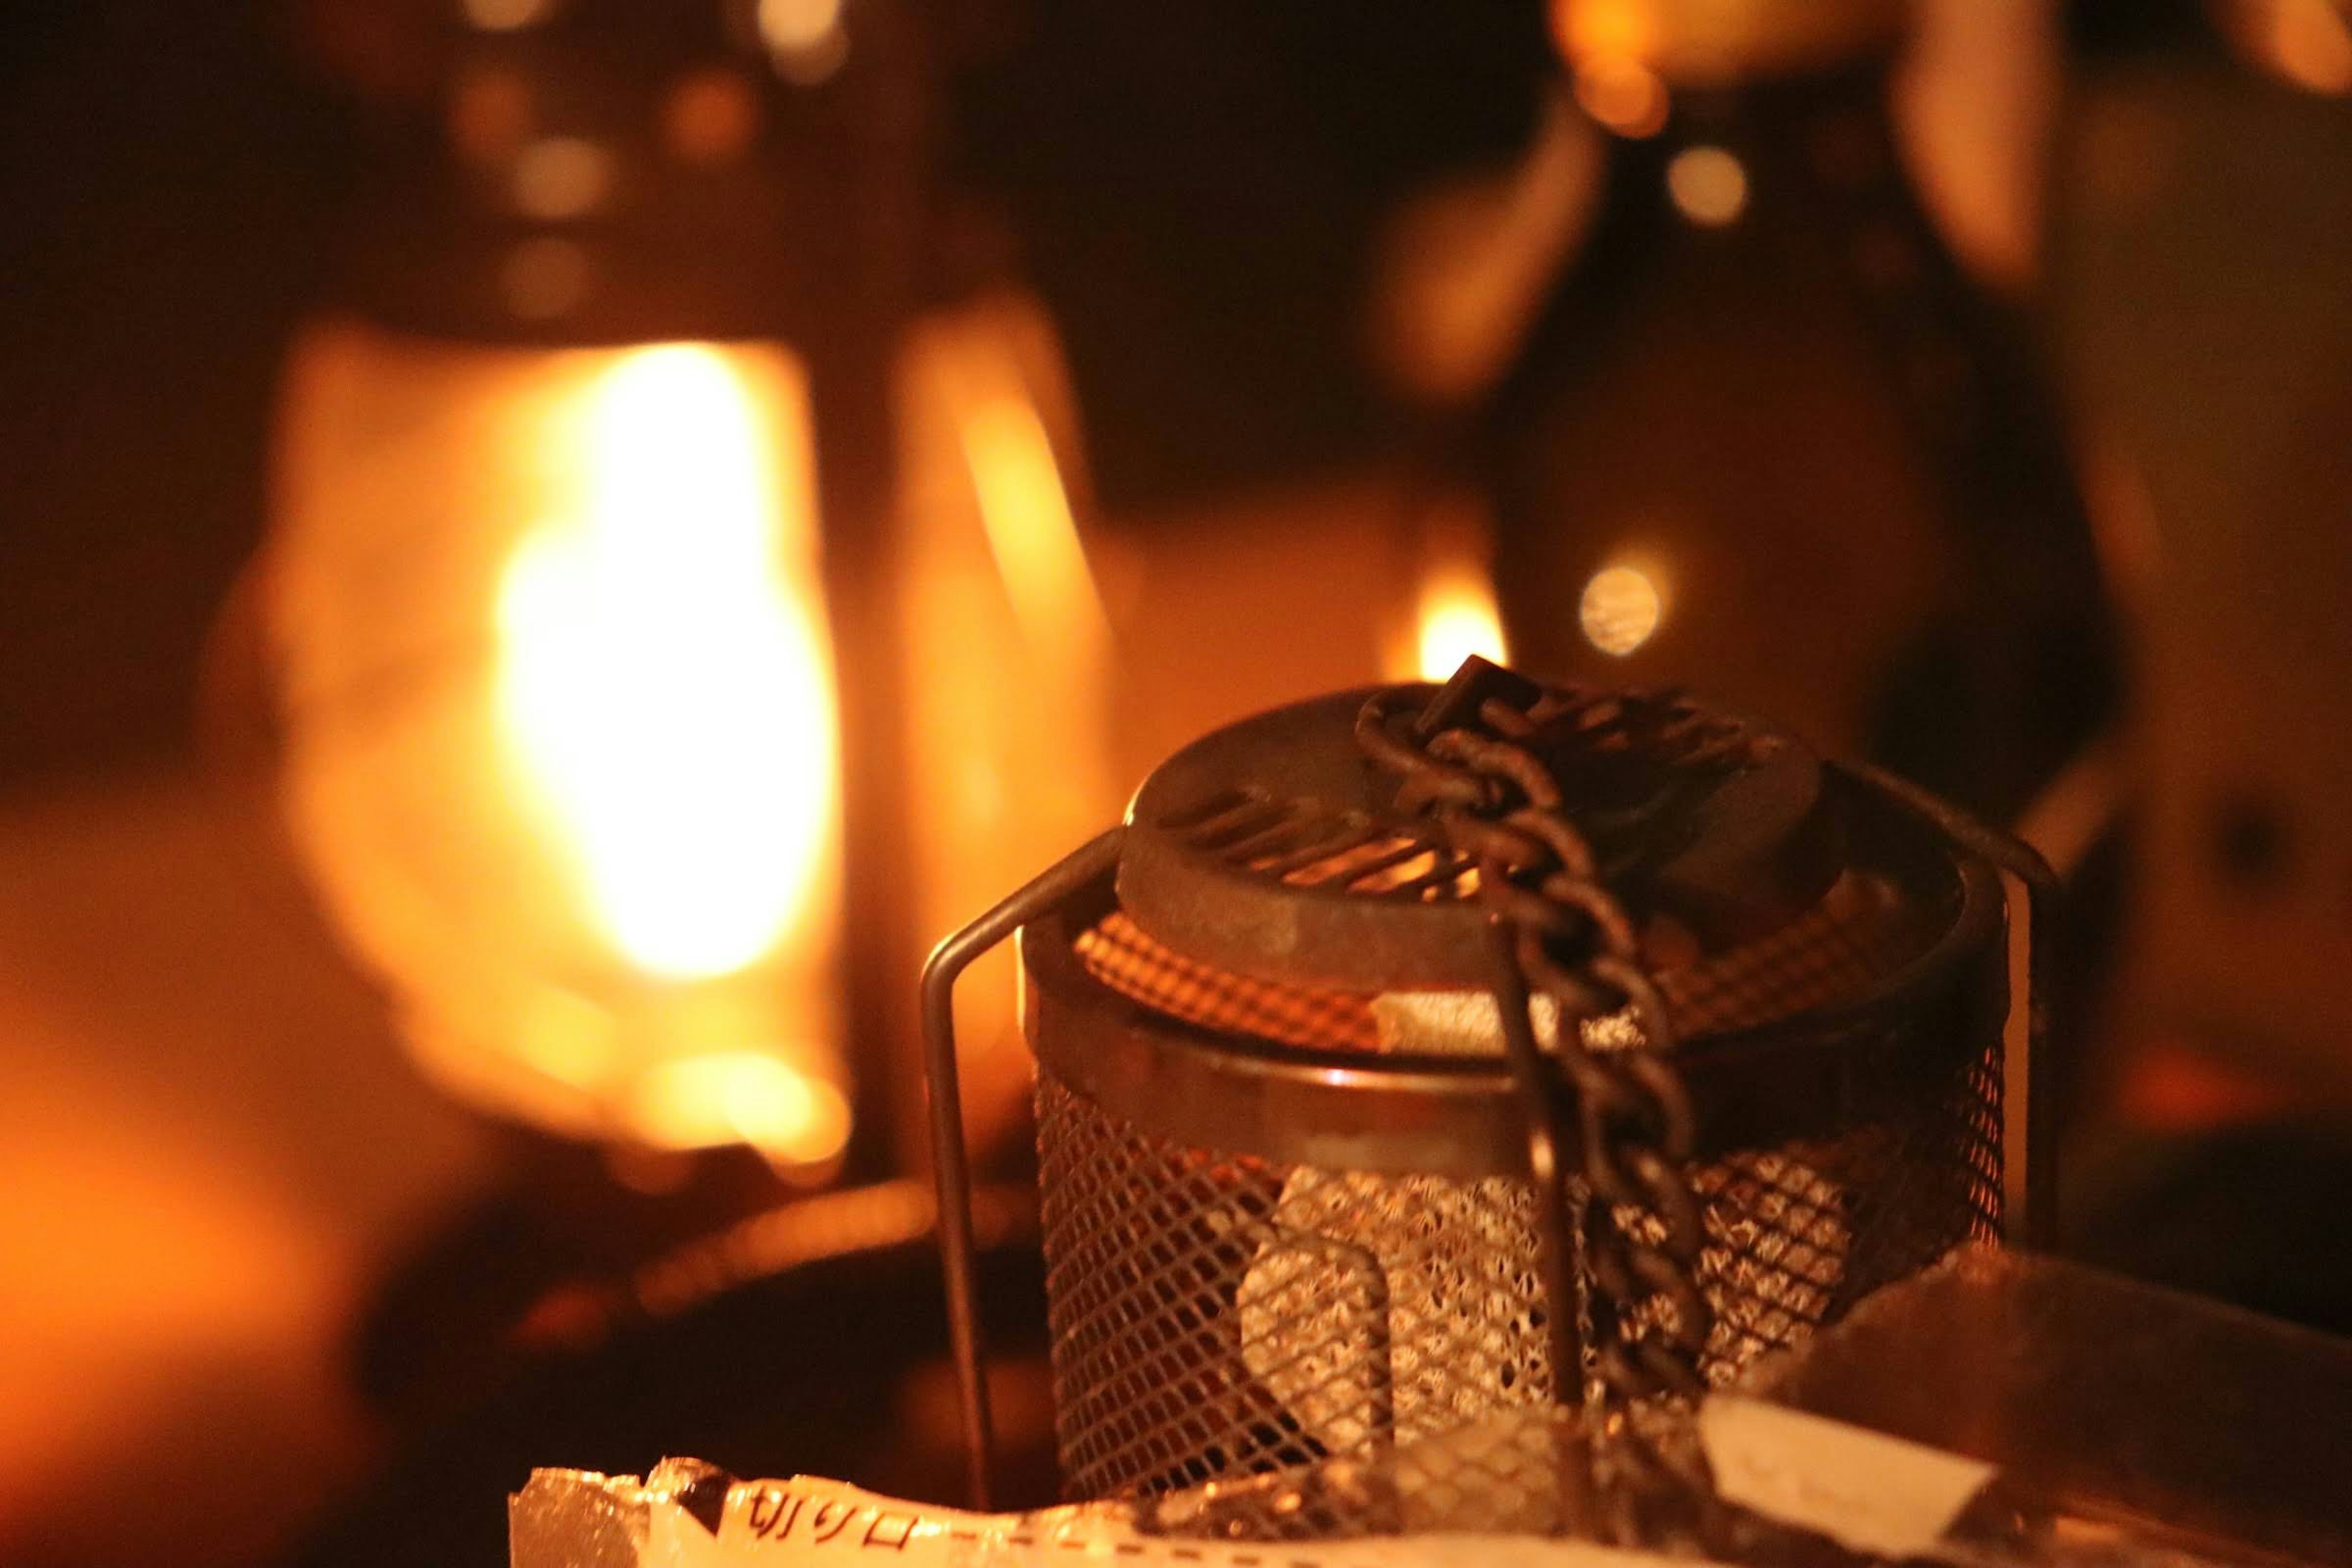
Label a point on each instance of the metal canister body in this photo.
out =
(1287, 1218)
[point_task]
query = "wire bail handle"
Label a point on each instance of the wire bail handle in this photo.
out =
(951, 1161)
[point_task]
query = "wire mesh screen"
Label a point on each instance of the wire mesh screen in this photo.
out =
(1375, 1345)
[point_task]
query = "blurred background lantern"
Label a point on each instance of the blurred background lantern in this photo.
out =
(654, 508)
(560, 746)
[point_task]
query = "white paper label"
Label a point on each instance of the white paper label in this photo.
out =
(1872, 1492)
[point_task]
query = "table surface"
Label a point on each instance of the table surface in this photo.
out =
(210, 1149)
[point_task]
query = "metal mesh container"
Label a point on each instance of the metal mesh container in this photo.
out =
(1293, 1252)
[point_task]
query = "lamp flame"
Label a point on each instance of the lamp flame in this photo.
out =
(663, 679)
(1455, 616)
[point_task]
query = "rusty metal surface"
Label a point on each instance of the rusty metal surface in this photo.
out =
(1274, 848)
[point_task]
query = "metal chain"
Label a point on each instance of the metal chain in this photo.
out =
(1570, 938)
(1560, 933)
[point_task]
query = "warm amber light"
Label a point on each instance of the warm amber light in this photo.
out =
(1621, 609)
(1623, 94)
(561, 752)
(2307, 42)
(561, 755)
(1714, 41)
(804, 38)
(662, 676)
(1455, 618)
(710, 116)
(1709, 184)
(1006, 723)
(1605, 29)
(507, 16)
(1467, 264)
(1024, 510)
(740, 1097)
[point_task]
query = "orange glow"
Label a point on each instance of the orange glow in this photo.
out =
(662, 674)
(2307, 42)
(1701, 41)
(1025, 511)
(1623, 94)
(1709, 184)
(1456, 618)
(1606, 29)
(143, 1247)
(1621, 609)
(710, 116)
(1007, 720)
(507, 16)
(561, 755)
(745, 1097)
(2168, 1087)
(1467, 264)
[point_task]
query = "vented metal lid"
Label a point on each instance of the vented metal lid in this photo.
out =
(1277, 849)
(1289, 961)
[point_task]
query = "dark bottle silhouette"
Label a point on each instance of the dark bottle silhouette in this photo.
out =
(1767, 439)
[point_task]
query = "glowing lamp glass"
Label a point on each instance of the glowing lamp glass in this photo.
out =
(560, 752)
(557, 684)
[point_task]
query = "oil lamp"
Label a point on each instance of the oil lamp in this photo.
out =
(631, 465)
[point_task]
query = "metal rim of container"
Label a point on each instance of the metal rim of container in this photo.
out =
(1458, 1116)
